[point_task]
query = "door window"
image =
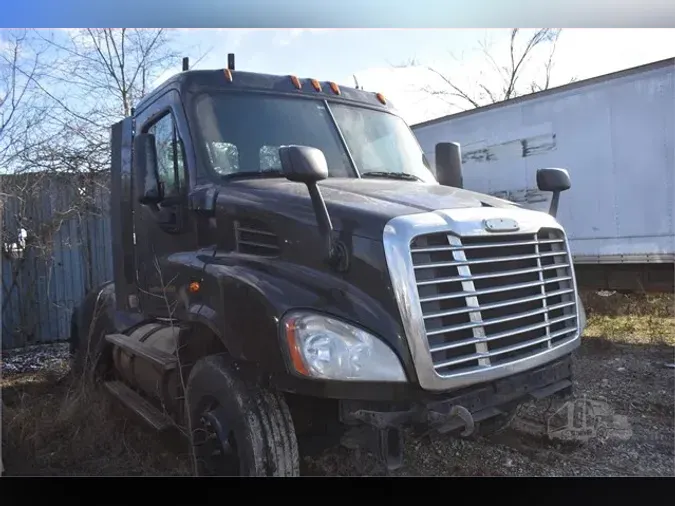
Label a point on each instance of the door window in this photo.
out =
(170, 159)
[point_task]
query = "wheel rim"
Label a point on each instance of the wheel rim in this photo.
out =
(215, 444)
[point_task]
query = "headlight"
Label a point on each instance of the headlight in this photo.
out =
(326, 348)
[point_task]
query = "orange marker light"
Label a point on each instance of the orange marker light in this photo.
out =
(194, 287)
(380, 97)
(335, 88)
(294, 349)
(296, 82)
(228, 75)
(316, 84)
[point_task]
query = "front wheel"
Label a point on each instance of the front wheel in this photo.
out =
(237, 428)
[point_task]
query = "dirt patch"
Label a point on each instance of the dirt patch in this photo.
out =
(617, 304)
(53, 426)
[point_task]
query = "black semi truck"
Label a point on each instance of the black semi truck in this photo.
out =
(286, 266)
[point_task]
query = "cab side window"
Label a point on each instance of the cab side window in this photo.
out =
(170, 160)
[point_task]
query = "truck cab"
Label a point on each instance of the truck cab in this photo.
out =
(286, 263)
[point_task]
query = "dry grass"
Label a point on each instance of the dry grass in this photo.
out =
(55, 425)
(630, 319)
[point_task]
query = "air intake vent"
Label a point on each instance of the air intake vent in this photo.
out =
(255, 238)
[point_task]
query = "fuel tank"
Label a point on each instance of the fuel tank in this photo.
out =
(160, 385)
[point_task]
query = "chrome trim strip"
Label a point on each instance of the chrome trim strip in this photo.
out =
(497, 289)
(471, 299)
(501, 335)
(397, 235)
(496, 274)
(494, 305)
(502, 319)
(432, 249)
(494, 260)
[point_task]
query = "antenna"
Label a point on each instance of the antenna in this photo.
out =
(230, 61)
(356, 82)
(186, 63)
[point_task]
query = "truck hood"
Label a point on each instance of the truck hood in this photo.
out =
(361, 205)
(419, 196)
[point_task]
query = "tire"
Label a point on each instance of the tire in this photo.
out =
(237, 428)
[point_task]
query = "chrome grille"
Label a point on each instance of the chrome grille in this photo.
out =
(491, 300)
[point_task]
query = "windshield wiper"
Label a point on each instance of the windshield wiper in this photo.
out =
(392, 175)
(254, 174)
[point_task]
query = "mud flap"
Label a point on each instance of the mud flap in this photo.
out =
(385, 443)
(389, 448)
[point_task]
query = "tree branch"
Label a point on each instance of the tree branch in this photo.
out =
(503, 76)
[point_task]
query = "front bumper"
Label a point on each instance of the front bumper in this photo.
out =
(466, 407)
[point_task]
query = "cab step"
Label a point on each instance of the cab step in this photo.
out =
(162, 360)
(141, 407)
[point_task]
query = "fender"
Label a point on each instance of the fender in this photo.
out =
(252, 295)
(205, 315)
(97, 314)
(91, 320)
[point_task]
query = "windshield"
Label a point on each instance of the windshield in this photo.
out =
(380, 142)
(243, 133)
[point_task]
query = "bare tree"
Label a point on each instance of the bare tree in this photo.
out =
(525, 68)
(57, 107)
(115, 67)
(21, 110)
(96, 78)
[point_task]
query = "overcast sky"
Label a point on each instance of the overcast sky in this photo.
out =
(371, 54)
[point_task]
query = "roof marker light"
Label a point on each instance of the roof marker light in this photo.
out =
(228, 75)
(335, 88)
(316, 84)
(381, 98)
(296, 82)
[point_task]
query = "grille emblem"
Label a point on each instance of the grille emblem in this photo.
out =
(501, 225)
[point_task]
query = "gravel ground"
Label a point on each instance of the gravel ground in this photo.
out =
(625, 384)
(628, 383)
(34, 358)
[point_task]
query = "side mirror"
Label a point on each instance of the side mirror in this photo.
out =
(449, 164)
(553, 180)
(556, 181)
(146, 176)
(304, 164)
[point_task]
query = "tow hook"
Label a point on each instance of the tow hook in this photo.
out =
(448, 421)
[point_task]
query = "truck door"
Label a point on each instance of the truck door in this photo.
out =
(164, 230)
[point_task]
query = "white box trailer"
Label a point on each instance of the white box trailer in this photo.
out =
(616, 136)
